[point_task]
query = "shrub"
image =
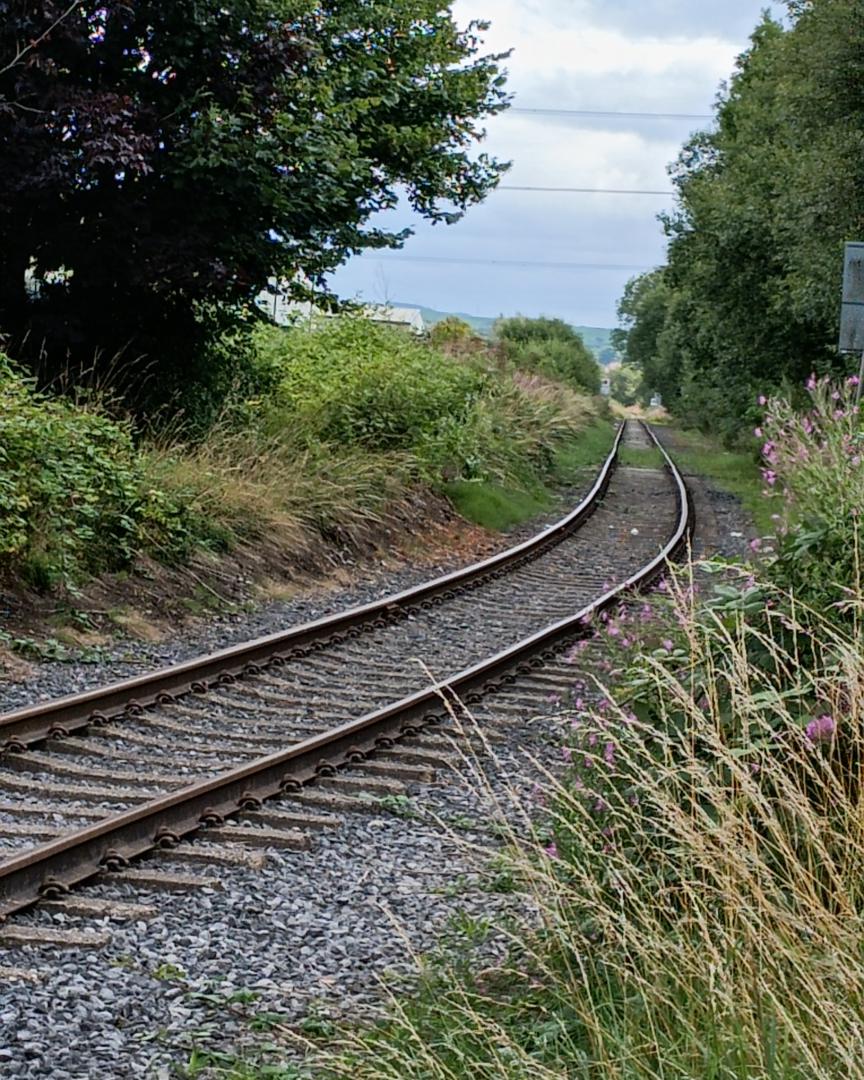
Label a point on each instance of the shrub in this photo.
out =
(73, 494)
(813, 471)
(355, 384)
(550, 347)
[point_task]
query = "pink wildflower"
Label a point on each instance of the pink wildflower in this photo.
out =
(770, 477)
(755, 545)
(551, 850)
(758, 432)
(609, 753)
(811, 383)
(822, 729)
(668, 644)
(762, 399)
(566, 753)
(853, 381)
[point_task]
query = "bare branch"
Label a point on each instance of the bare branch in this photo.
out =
(38, 41)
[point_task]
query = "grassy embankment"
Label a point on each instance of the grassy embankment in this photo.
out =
(698, 869)
(344, 423)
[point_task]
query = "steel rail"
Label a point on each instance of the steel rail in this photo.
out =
(52, 868)
(62, 716)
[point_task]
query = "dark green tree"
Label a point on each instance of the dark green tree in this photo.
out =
(751, 293)
(161, 160)
(551, 347)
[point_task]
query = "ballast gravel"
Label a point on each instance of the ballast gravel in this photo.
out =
(312, 935)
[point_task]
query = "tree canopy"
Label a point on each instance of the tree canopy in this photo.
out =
(750, 298)
(162, 160)
(551, 347)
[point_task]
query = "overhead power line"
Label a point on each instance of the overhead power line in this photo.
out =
(584, 191)
(609, 114)
(525, 263)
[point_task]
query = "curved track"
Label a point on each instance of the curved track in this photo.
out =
(93, 780)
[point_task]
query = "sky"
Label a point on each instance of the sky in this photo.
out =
(667, 56)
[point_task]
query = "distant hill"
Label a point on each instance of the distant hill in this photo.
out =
(595, 337)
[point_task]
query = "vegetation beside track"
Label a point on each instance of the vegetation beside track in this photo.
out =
(332, 430)
(697, 868)
(771, 187)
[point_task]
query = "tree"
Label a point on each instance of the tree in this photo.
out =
(750, 296)
(162, 160)
(551, 347)
(626, 383)
(642, 313)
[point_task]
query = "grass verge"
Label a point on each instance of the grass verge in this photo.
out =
(498, 507)
(737, 472)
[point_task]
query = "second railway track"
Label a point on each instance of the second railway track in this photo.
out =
(91, 782)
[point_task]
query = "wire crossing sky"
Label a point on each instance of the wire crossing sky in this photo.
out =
(606, 92)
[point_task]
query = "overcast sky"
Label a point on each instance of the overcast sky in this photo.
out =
(622, 55)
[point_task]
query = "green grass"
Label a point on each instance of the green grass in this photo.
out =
(495, 507)
(735, 471)
(498, 507)
(637, 458)
(573, 457)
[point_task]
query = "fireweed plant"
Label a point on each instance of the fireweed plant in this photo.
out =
(813, 471)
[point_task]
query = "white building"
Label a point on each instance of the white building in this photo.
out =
(275, 301)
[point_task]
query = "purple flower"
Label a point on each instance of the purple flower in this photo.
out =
(758, 432)
(770, 477)
(755, 545)
(853, 381)
(566, 753)
(609, 753)
(668, 644)
(811, 383)
(822, 729)
(762, 399)
(551, 850)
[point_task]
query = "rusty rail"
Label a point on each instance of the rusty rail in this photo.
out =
(62, 716)
(54, 867)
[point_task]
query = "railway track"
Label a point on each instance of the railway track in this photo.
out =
(255, 745)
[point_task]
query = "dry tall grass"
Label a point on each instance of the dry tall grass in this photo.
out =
(702, 900)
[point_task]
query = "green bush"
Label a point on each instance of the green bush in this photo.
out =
(355, 384)
(550, 347)
(352, 382)
(73, 496)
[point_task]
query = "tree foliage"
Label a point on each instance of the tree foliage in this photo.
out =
(750, 297)
(161, 160)
(551, 347)
(626, 384)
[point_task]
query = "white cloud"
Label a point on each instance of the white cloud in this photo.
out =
(627, 55)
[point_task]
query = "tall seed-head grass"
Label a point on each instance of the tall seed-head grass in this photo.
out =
(700, 908)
